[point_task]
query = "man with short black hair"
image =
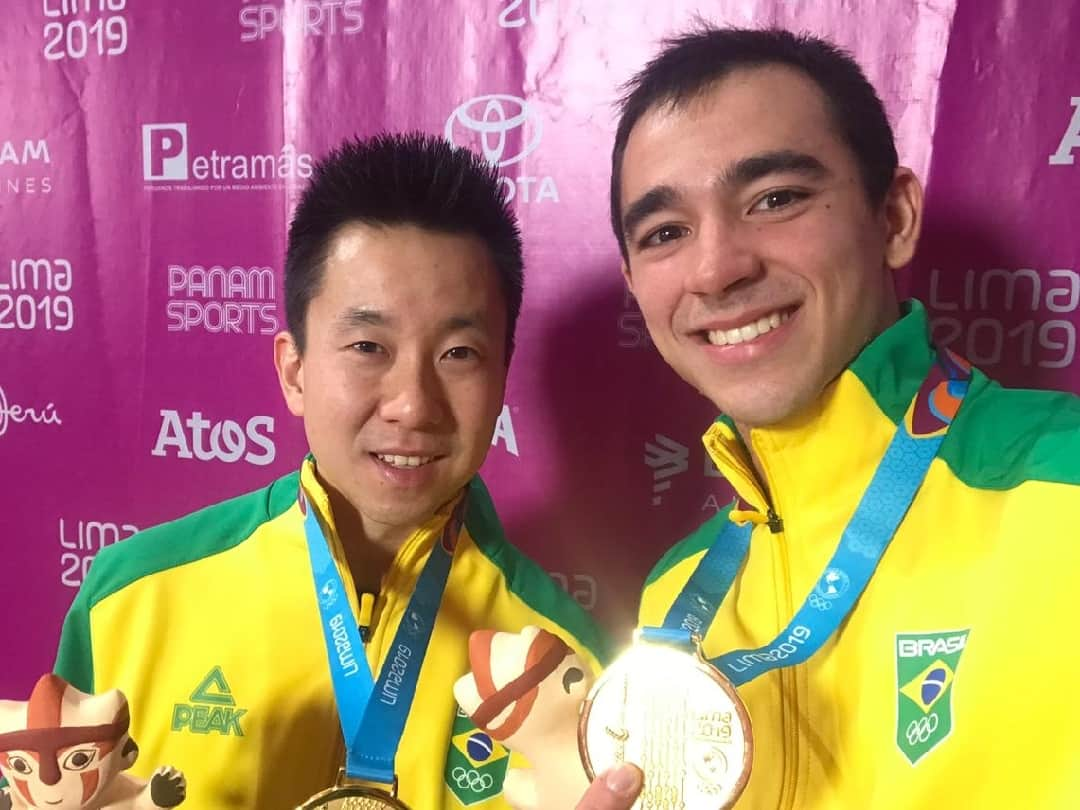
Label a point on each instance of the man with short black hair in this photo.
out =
(231, 630)
(898, 552)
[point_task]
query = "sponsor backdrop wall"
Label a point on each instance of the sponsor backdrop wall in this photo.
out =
(150, 153)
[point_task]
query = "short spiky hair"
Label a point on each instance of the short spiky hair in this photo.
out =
(688, 65)
(400, 179)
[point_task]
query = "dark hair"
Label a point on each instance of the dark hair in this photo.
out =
(400, 179)
(688, 64)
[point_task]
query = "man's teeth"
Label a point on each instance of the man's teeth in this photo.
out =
(742, 334)
(404, 461)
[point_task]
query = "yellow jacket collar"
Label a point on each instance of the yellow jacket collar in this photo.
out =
(416, 546)
(843, 433)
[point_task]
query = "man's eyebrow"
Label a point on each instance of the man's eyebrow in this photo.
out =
(470, 320)
(365, 316)
(361, 316)
(655, 199)
(753, 168)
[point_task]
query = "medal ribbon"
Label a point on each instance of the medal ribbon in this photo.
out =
(883, 505)
(373, 713)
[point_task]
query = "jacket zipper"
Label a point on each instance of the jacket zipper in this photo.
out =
(789, 701)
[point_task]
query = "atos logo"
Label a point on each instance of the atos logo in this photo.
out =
(199, 438)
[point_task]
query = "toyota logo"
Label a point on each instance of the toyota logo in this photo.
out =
(492, 118)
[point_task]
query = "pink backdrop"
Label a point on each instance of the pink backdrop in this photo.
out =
(149, 153)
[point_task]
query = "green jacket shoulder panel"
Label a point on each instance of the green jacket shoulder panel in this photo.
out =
(201, 534)
(1003, 437)
(700, 539)
(75, 654)
(527, 580)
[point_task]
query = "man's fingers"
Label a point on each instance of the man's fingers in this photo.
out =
(615, 789)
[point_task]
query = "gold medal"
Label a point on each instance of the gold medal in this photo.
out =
(354, 797)
(670, 712)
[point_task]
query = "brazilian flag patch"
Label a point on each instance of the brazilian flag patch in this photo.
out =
(475, 764)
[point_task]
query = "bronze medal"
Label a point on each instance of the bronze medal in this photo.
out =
(670, 712)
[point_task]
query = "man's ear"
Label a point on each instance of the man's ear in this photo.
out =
(627, 278)
(903, 209)
(289, 362)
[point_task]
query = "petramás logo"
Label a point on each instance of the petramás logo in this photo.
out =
(170, 164)
(504, 129)
(199, 438)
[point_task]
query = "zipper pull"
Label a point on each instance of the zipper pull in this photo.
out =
(367, 609)
(776, 525)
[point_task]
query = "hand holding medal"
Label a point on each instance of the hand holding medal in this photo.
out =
(663, 707)
(658, 706)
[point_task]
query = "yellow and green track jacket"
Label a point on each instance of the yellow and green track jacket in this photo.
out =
(952, 684)
(210, 626)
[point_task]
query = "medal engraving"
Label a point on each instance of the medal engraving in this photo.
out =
(353, 798)
(674, 715)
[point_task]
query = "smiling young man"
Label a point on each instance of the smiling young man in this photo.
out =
(899, 550)
(240, 632)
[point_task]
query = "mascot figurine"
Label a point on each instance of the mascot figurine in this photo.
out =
(66, 749)
(525, 690)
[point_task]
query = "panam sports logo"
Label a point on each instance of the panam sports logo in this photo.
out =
(169, 163)
(504, 129)
(311, 18)
(222, 299)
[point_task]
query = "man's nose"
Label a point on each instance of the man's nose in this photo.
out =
(412, 394)
(724, 258)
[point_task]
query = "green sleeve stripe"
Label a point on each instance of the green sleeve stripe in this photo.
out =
(75, 656)
(700, 540)
(527, 580)
(1004, 437)
(201, 534)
